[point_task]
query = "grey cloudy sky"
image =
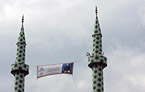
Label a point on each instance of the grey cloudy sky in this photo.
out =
(60, 31)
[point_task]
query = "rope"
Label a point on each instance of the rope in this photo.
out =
(33, 65)
(76, 61)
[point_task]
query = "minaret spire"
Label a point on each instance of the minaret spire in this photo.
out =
(97, 62)
(20, 69)
(96, 11)
(22, 28)
(22, 19)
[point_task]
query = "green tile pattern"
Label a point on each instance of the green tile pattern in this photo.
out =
(19, 82)
(96, 61)
(21, 45)
(20, 69)
(97, 79)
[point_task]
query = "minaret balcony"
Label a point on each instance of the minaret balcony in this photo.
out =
(97, 60)
(20, 68)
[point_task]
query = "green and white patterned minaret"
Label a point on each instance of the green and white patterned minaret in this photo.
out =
(20, 69)
(97, 62)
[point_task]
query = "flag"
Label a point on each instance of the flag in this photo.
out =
(45, 70)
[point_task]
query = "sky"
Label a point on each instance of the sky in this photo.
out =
(60, 31)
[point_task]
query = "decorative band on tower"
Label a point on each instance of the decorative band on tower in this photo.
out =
(97, 62)
(20, 69)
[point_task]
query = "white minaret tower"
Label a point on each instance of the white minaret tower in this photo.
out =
(20, 69)
(97, 62)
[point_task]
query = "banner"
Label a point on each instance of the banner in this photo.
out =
(45, 70)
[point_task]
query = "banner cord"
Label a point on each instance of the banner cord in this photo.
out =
(68, 62)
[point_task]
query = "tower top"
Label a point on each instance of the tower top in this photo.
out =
(96, 11)
(22, 19)
(22, 28)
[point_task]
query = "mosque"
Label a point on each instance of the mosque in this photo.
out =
(96, 61)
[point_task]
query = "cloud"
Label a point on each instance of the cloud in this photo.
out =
(124, 73)
(60, 31)
(126, 66)
(80, 81)
(142, 15)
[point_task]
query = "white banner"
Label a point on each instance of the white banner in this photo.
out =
(45, 70)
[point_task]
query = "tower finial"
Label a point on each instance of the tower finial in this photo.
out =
(22, 19)
(22, 27)
(96, 11)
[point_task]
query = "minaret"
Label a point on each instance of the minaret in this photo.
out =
(97, 62)
(20, 69)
